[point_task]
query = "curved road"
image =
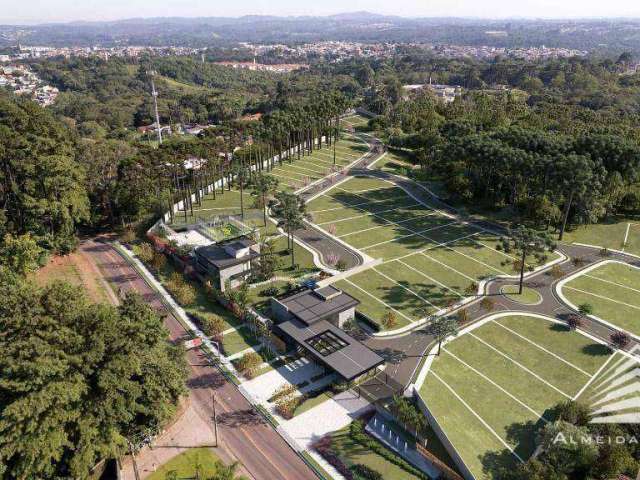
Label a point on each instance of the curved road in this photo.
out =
(404, 353)
(243, 434)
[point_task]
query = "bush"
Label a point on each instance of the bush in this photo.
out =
(248, 364)
(144, 252)
(211, 325)
(363, 472)
(286, 407)
(269, 292)
(487, 304)
(620, 339)
(324, 448)
(283, 391)
(183, 292)
(585, 309)
(556, 272)
(574, 322)
(158, 262)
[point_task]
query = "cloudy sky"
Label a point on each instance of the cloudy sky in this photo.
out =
(35, 11)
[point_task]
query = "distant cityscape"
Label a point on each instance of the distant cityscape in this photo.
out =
(293, 57)
(23, 81)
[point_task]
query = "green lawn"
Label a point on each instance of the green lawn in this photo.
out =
(528, 296)
(351, 453)
(609, 233)
(185, 463)
(430, 260)
(238, 340)
(525, 366)
(613, 290)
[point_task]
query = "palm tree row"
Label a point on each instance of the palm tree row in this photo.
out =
(239, 151)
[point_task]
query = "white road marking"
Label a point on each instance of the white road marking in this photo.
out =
(518, 364)
(405, 288)
(430, 278)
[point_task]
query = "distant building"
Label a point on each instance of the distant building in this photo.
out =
(227, 263)
(447, 93)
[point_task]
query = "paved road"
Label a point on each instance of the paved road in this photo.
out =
(314, 237)
(243, 434)
(405, 352)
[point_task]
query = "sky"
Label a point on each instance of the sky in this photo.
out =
(39, 11)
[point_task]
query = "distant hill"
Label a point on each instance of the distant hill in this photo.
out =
(611, 35)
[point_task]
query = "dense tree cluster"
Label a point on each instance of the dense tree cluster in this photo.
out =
(42, 189)
(78, 380)
(573, 448)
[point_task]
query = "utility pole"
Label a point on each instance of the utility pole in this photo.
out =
(215, 420)
(133, 460)
(154, 94)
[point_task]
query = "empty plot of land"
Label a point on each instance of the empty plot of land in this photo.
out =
(430, 260)
(613, 290)
(618, 233)
(492, 388)
(300, 172)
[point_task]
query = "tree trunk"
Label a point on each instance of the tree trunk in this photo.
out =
(566, 215)
(524, 257)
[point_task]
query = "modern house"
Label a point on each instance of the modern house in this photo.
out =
(311, 319)
(227, 263)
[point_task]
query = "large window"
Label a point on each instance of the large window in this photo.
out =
(326, 343)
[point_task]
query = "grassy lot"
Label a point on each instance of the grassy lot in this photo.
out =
(613, 290)
(528, 295)
(430, 260)
(356, 120)
(351, 453)
(610, 233)
(238, 340)
(397, 162)
(525, 366)
(184, 464)
(310, 168)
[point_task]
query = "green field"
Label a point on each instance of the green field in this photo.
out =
(528, 295)
(492, 388)
(430, 260)
(613, 290)
(610, 233)
(185, 465)
(303, 171)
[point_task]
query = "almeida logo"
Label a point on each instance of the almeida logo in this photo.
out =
(615, 395)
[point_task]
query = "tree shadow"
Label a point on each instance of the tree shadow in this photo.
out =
(207, 380)
(240, 418)
(391, 355)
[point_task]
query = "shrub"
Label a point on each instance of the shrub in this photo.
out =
(158, 262)
(604, 252)
(270, 292)
(211, 325)
(363, 472)
(389, 320)
(620, 339)
(487, 304)
(585, 309)
(144, 252)
(128, 236)
(556, 272)
(286, 406)
(283, 391)
(324, 447)
(341, 265)
(471, 289)
(249, 363)
(574, 321)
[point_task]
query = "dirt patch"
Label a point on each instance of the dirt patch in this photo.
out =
(77, 269)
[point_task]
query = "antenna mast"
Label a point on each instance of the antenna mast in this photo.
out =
(154, 94)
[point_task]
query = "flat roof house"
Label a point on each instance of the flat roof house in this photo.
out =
(227, 263)
(312, 319)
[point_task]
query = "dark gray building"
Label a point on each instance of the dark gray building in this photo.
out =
(310, 319)
(227, 263)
